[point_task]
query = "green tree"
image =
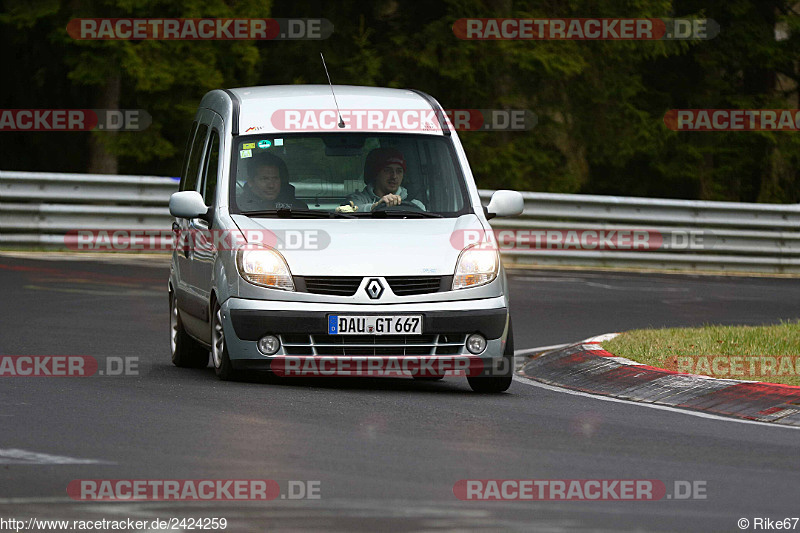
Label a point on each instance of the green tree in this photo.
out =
(165, 78)
(600, 104)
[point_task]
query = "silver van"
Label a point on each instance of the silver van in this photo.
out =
(338, 225)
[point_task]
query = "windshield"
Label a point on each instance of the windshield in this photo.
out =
(351, 174)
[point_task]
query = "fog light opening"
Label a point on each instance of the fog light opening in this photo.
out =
(476, 343)
(269, 344)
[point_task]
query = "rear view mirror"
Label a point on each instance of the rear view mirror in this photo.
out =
(187, 204)
(505, 204)
(344, 145)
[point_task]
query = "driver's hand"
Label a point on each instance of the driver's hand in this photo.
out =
(389, 200)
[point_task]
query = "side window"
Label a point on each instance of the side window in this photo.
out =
(190, 182)
(211, 168)
(186, 154)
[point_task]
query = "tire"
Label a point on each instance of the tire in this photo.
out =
(186, 352)
(219, 348)
(496, 384)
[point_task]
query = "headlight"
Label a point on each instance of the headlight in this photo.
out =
(265, 267)
(475, 267)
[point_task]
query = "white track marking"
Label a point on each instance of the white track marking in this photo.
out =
(699, 414)
(602, 338)
(526, 351)
(598, 338)
(25, 457)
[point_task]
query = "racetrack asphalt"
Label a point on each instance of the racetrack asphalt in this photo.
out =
(387, 452)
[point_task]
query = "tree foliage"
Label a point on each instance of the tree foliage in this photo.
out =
(600, 104)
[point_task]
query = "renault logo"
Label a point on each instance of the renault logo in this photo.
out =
(374, 288)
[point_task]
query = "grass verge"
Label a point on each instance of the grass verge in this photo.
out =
(758, 353)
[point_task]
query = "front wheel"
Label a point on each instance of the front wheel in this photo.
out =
(186, 352)
(501, 383)
(219, 348)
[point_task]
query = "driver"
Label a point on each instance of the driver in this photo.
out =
(384, 170)
(268, 186)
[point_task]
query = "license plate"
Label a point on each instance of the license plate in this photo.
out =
(375, 325)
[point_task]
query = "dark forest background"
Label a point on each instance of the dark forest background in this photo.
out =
(600, 104)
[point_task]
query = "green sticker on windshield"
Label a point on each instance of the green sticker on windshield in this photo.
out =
(264, 143)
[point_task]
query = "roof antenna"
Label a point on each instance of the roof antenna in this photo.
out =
(341, 121)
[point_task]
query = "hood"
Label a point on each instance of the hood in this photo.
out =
(365, 247)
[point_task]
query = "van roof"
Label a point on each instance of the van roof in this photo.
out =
(252, 108)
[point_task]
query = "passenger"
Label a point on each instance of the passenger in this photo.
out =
(384, 170)
(268, 186)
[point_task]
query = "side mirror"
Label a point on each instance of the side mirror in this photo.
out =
(187, 204)
(505, 204)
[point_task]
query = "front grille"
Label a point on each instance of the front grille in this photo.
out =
(348, 285)
(333, 285)
(411, 285)
(385, 345)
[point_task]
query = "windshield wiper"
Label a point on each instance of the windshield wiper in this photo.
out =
(409, 213)
(288, 213)
(313, 213)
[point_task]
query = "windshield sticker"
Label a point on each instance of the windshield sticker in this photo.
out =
(243, 154)
(248, 146)
(264, 143)
(278, 142)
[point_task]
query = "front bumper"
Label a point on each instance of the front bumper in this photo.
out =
(245, 321)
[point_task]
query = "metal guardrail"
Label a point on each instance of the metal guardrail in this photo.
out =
(48, 187)
(737, 237)
(38, 209)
